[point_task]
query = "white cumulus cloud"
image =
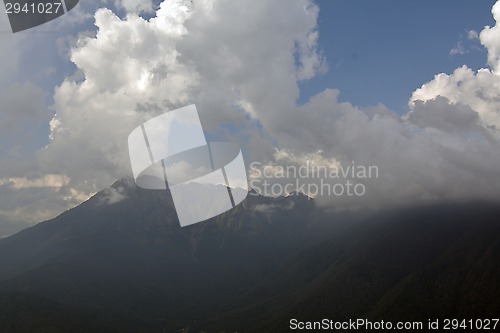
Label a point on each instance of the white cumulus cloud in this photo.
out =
(241, 63)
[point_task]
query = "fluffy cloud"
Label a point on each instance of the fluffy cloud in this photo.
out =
(47, 181)
(442, 115)
(219, 55)
(29, 201)
(242, 66)
(472, 35)
(241, 63)
(458, 50)
(490, 38)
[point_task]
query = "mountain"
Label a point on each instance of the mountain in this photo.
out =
(122, 254)
(414, 264)
(28, 313)
(120, 262)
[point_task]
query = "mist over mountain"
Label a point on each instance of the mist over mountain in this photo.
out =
(120, 262)
(123, 251)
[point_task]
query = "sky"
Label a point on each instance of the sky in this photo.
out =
(406, 43)
(412, 88)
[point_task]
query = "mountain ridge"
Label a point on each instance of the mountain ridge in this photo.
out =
(249, 269)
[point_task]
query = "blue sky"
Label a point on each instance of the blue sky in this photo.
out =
(381, 51)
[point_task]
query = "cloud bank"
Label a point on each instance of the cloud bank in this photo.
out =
(241, 63)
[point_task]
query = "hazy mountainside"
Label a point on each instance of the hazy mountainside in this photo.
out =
(131, 258)
(22, 312)
(415, 264)
(121, 263)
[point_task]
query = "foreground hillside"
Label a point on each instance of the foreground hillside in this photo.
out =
(126, 266)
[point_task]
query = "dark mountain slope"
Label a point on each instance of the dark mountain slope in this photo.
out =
(463, 281)
(128, 266)
(415, 264)
(132, 257)
(22, 312)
